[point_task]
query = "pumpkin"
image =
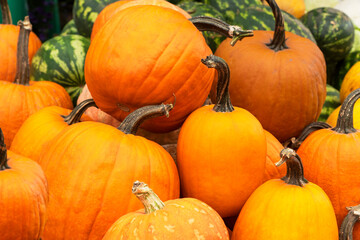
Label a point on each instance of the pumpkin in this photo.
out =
(115, 7)
(224, 151)
(338, 149)
(153, 64)
(333, 117)
(302, 209)
(97, 163)
(351, 81)
(344, 66)
(275, 76)
(294, 7)
(350, 229)
(21, 98)
(185, 218)
(9, 35)
(23, 198)
(43, 126)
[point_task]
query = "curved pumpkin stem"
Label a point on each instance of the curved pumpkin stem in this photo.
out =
(3, 153)
(78, 111)
(223, 103)
(132, 122)
(205, 23)
(148, 198)
(5, 12)
(345, 118)
(22, 63)
(295, 170)
(347, 226)
(278, 41)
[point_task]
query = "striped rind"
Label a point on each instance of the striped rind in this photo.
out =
(69, 28)
(333, 31)
(332, 101)
(61, 60)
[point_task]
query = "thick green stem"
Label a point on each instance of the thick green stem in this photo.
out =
(347, 226)
(3, 153)
(147, 197)
(78, 111)
(132, 122)
(223, 103)
(295, 170)
(204, 23)
(22, 63)
(5, 12)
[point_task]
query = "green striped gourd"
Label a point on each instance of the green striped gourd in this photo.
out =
(85, 13)
(332, 101)
(69, 28)
(344, 66)
(200, 9)
(262, 18)
(61, 60)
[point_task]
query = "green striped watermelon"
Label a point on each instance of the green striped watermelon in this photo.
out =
(332, 101)
(200, 9)
(333, 31)
(69, 28)
(85, 13)
(262, 18)
(61, 60)
(344, 66)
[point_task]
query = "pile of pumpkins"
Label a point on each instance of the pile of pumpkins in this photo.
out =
(143, 120)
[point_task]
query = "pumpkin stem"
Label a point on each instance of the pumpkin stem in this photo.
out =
(295, 143)
(223, 103)
(278, 41)
(132, 122)
(5, 11)
(146, 195)
(295, 171)
(22, 62)
(345, 118)
(205, 23)
(78, 111)
(347, 226)
(3, 153)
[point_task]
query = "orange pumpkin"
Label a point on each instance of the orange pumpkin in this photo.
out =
(23, 196)
(278, 76)
(350, 228)
(331, 158)
(185, 218)
(294, 7)
(209, 167)
(287, 208)
(112, 9)
(21, 98)
(89, 167)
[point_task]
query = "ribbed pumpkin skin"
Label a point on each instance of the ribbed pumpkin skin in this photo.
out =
(23, 199)
(277, 86)
(351, 81)
(9, 35)
(227, 164)
(18, 102)
(186, 218)
(115, 7)
(339, 179)
(98, 165)
(294, 209)
(159, 57)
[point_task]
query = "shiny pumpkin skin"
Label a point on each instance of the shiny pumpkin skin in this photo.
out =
(294, 7)
(185, 218)
(112, 9)
(332, 119)
(340, 153)
(167, 62)
(234, 152)
(8, 47)
(277, 86)
(300, 213)
(97, 165)
(24, 196)
(18, 102)
(351, 81)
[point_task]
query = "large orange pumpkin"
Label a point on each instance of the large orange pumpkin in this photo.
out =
(287, 208)
(89, 167)
(278, 76)
(185, 218)
(331, 158)
(221, 151)
(350, 228)
(23, 196)
(21, 98)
